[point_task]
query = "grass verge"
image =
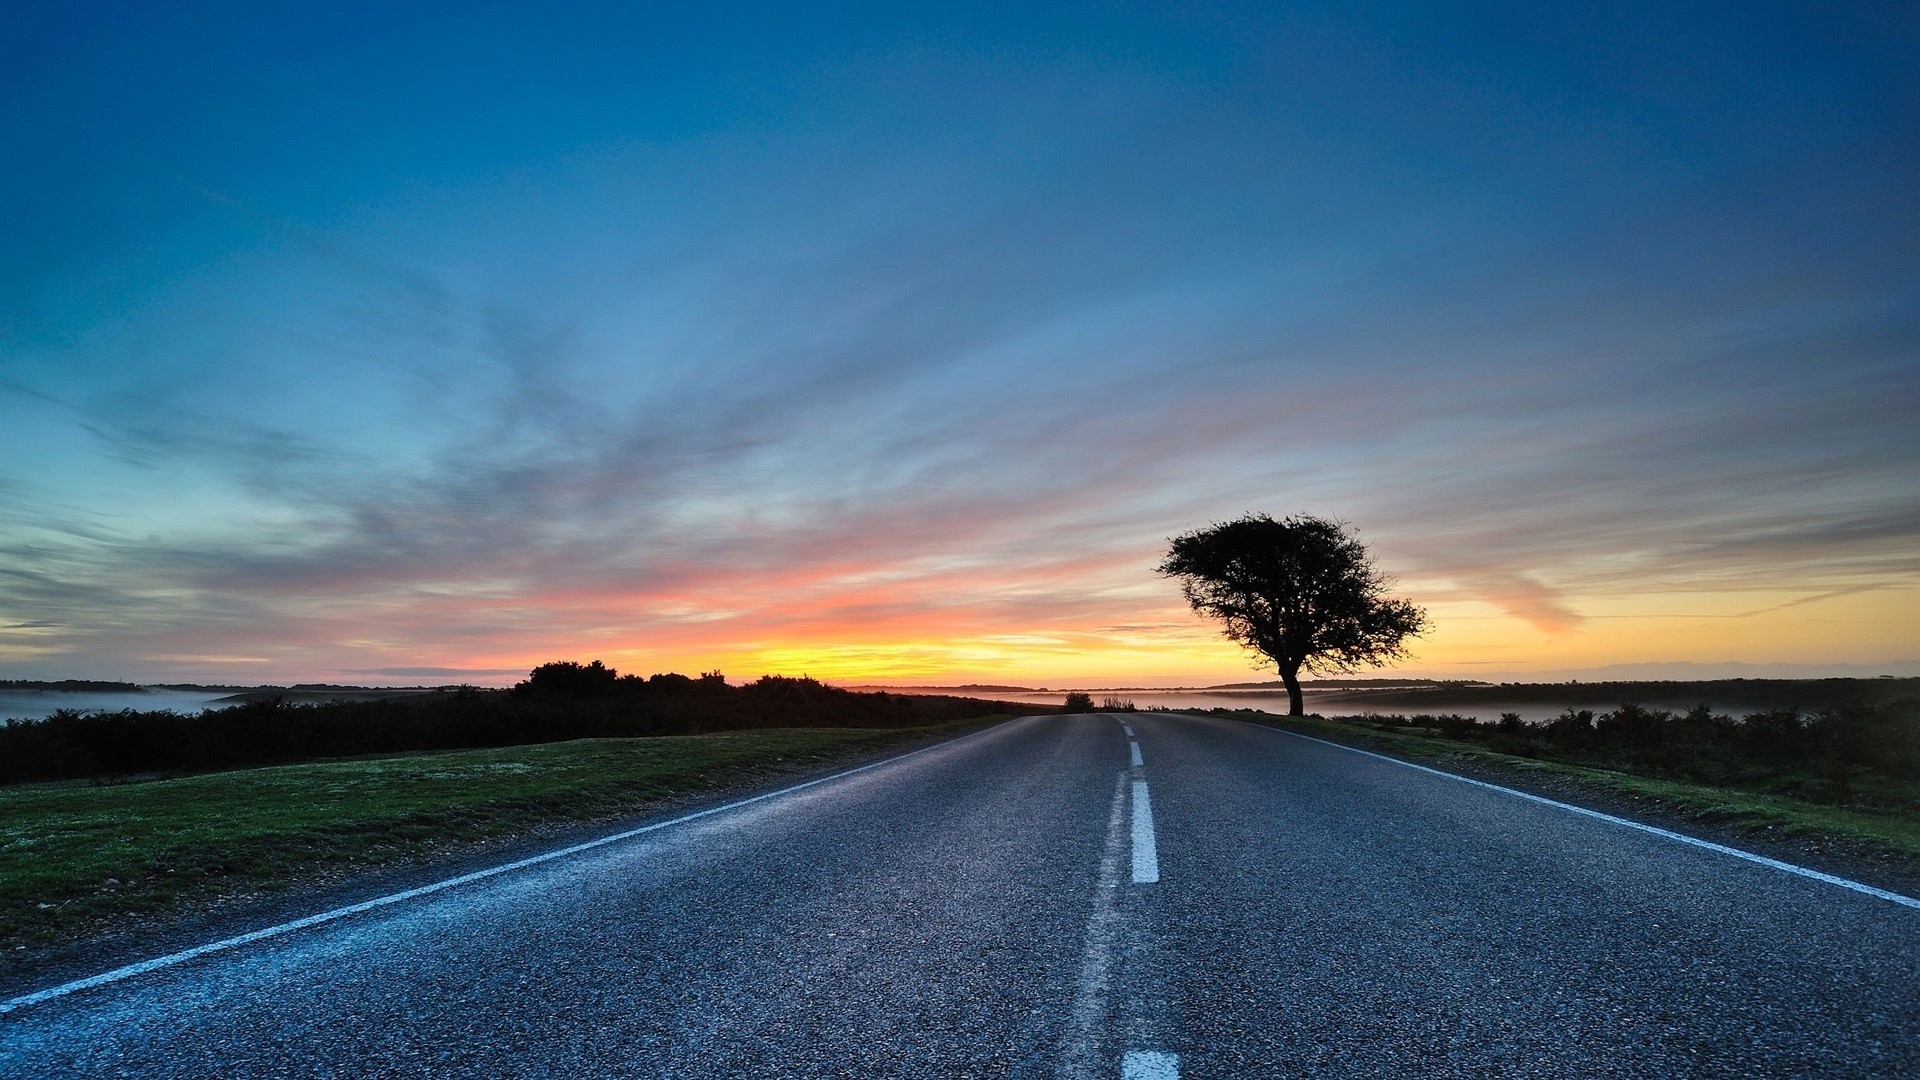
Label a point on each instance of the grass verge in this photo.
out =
(76, 860)
(1884, 832)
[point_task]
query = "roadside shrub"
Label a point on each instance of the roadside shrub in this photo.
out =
(1776, 735)
(1573, 729)
(1841, 754)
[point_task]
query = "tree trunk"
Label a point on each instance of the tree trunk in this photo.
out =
(1296, 706)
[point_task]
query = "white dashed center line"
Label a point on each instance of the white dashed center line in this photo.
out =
(1135, 747)
(1150, 1065)
(1146, 851)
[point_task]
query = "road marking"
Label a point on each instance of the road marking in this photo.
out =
(1080, 1047)
(1135, 748)
(1126, 727)
(1668, 834)
(1150, 1065)
(1146, 853)
(155, 964)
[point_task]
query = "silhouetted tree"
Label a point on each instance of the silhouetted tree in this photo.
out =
(570, 677)
(1299, 591)
(1077, 702)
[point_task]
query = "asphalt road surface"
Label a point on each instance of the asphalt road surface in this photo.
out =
(1144, 896)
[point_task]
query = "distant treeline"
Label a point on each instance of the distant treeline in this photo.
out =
(73, 686)
(557, 702)
(1801, 694)
(1840, 754)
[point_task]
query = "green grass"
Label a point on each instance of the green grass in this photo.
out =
(1889, 831)
(76, 859)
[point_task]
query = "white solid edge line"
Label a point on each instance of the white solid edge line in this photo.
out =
(1146, 851)
(1668, 834)
(1149, 1065)
(171, 959)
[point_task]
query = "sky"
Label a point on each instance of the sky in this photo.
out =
(422, 344)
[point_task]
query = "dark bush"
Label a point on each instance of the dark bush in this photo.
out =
(1573, 729)
(1838, 754)
(1777, 735)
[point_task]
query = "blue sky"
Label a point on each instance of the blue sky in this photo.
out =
(390, 342)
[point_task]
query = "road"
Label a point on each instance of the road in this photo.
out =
(1145, 896)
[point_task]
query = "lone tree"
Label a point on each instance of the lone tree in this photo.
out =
(1299, 591)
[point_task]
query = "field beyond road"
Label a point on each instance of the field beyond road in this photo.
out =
(78, 859)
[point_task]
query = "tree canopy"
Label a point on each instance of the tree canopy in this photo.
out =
(1300, 591)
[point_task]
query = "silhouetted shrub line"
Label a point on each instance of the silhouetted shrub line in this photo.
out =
(1800, 694)
(1835, 755)
(556, 703)
(72, 686)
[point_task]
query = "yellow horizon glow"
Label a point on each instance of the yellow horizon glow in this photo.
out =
(1174, 647)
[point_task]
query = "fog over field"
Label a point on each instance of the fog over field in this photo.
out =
(33, 704)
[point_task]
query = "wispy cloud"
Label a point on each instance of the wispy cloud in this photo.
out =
(926, 362)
